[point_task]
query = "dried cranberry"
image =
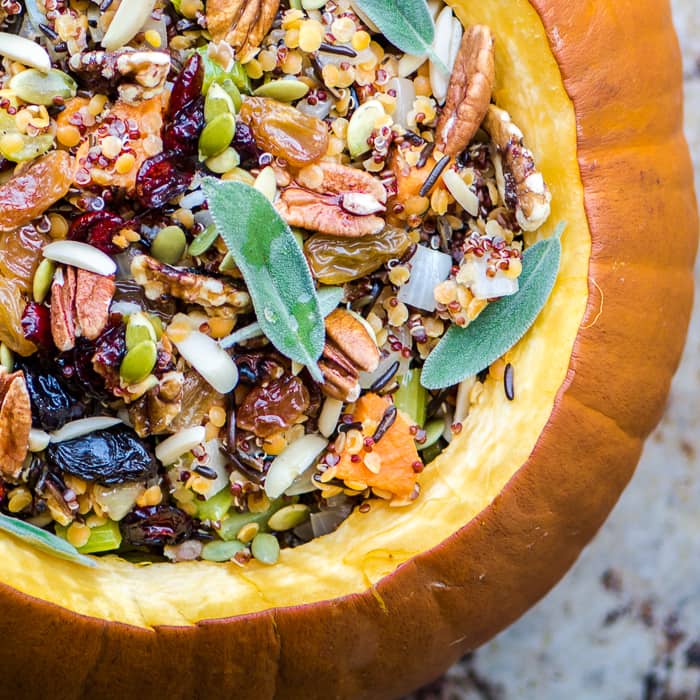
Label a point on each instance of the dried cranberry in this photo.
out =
(97, 228)
(187, 86)
(181, 134)
(276, 406)
(36, 325)
(244, 143)
(160, 179)
(156, 526)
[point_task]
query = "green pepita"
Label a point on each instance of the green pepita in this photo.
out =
(283, 90)
(138, 329)
(7, 359)
(20, 147)
(39, 88)
(203, 241)
(224, 162)
(139, 362)
(233, 92)
(362, 124)
(221, 551)
(288, 517)
(266, 182)
(217, 102)
(43, 277)
(232, 523)
(433, 430)
(169, 245)
(313, 4)
(217, 135)
(265, 548)
(228, 264)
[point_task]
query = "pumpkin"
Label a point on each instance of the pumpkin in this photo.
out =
(393, 597)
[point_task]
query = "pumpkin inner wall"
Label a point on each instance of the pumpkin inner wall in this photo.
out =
(497, 438)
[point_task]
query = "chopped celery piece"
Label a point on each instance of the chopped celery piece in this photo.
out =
(219, 550)
(231, 525)
(213, 72)
(104, 538)
(216, 507)
(412, 397)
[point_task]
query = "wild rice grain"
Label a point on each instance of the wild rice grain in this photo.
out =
(385, 423)
(434, 176)
(508, 382)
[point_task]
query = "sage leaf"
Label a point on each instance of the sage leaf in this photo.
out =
(43, 540)
(407, 24)
(464, 352)
(328, 299)
(274, 268)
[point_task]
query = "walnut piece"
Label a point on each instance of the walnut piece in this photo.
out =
(158, 279)
(15, 423)
(345, 202)
(80, 303)
(154, 413)
(469, 92)
(520, 184)
(349, 350)
(241, 23)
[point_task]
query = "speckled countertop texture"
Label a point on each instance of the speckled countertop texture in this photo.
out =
(625, 622)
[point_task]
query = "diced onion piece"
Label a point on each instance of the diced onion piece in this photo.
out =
(405, 91)
(38, 440)
(172, 448)
(84, 426)
(473, 274)
(116, 501)
(217, 462)
(330, 415)
(211, 361)
(295, 460)
(128, 20)
(428, 269)
(266, 183)
(327, 521)
(459, 189)
(81, 255)
(462, 401)
(24, 51)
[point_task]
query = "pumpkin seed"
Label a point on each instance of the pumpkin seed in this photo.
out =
(225, 161)
(233, 92)
(138, 329)
(295, 4)
(433, 432)
(19, 147)
(139, 362)
(362, 124)
(313, 4)
(228, 264)
(217, 135)
(266, 182)
(204, 241)
(283, 90)
(42, 280)
(39, 88)
(169, 245)
(221, 551)
(7, 359)
(266, 548)
(217, 102)
(288, 517)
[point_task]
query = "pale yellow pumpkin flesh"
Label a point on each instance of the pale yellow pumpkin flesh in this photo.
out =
(497, 438)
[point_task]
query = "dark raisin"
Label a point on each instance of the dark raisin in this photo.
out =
(276, 406)
(244, 143)
(36, 325)
(160, 179)
(156, 526)
(181, 134)
(113, 456)
(187, 86)
(259, 367)
(53, 405)
(97, 228)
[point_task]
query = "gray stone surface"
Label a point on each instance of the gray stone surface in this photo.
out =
(625, 622)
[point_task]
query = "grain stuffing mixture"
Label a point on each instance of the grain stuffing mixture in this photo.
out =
(143, 410)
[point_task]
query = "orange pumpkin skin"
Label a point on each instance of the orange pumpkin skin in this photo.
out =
(438, 605)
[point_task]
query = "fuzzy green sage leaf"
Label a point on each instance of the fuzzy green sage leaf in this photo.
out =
(43, 540)
(464, 352)
(407, 24)
(274, 268)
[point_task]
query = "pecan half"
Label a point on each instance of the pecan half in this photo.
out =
(241, 23)
(469, 92)
(80, 303)
(15, 423)
(520, 184)
(158, 279)
(345, 203)
(349, 350)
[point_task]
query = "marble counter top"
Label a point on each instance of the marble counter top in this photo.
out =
(625, 623)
